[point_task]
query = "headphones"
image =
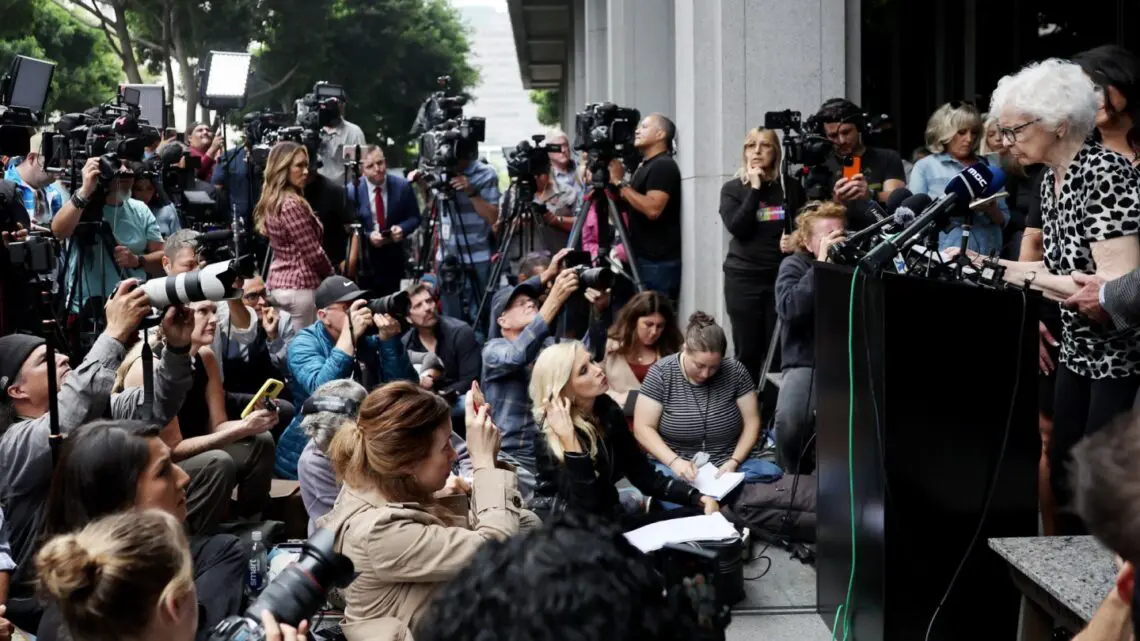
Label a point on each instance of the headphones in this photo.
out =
(842, 110)
(334, 404)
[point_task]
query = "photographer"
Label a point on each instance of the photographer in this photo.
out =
(36, 188)
(452, 340)
(654, 199)
(127, 245)
(84, 395)
(337, 135)
(145, 190)
(755, 211)
(338, 345)
(236, 181)
(387, 209)
(477, 197)
(555, 206)
(519, 331)
(205, 147)
(861, 173)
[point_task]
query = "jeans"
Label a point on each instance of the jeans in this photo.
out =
(755, 471)
(465, 303)
(662, 276)
(795, 418)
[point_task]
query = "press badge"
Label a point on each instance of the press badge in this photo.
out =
(700, 459)
(445, 230)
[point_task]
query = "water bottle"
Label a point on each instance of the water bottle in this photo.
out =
(258, 569)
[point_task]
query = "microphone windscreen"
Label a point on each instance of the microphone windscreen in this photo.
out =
(917, 203)
(974, 182)
(904, 216)
(896, 198)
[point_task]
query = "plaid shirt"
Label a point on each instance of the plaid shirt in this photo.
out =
(506, 374)
(299, 261)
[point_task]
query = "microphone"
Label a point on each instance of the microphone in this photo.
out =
(844, 253)
(896, 199)
(974, 182)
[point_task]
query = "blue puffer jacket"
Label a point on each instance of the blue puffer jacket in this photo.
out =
(314, 361)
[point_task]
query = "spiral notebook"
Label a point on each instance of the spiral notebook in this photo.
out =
(708, 484)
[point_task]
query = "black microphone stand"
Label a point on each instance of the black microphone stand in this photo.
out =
(962, 260)
(55, 439)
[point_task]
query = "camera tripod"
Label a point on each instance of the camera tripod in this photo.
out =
(599, 193)
(88, 239)
(442, 220)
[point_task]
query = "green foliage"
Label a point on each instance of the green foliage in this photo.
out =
(549, 103)
(87, 71)
(386, 53)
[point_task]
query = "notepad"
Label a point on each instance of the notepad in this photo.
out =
(709, 527)
(708, 484)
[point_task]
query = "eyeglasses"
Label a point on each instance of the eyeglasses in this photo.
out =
(1010, 134)
(251, 297)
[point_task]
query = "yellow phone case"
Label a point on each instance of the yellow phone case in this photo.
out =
(270, 389)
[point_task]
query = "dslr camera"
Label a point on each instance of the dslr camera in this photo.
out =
(296, 594)
(446, 137)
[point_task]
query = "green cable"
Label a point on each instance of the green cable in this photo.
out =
(845, 609)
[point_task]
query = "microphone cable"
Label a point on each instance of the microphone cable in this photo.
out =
(844, 610)
(997, 469)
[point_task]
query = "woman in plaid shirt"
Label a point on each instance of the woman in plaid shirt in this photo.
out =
(285, 217)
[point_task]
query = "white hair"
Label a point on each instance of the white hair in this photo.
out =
(1056, 91)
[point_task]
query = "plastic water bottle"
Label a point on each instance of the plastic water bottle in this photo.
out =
(258, 569)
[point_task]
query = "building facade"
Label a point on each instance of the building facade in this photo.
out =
(716, 66)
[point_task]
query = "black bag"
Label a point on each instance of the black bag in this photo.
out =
(780, 511)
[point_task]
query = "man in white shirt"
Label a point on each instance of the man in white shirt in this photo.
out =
(337, 135)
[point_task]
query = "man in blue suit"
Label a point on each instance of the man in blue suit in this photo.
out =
(388, 212)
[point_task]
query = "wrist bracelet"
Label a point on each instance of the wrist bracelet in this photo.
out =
(738, 463)
(675, 459)
(79, 201)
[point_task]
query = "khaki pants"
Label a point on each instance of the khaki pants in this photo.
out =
(301, 305)
(246, 465)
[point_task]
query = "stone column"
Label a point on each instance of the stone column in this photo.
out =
(596, 51)
(641, 45)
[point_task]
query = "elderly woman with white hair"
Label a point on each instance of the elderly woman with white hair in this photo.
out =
(953, 135)
(1090, 212)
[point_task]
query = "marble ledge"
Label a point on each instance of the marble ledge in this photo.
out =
(1076, 570)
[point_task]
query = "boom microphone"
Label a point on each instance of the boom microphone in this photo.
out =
(846, 252)
(213, 282)
(976, 181)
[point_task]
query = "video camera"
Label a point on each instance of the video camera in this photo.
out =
(606, 131)
(525, 161)
(321, 108)
(296, 594)
(263, 130)
(446, 137)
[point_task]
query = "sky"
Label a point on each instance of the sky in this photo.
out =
(501, 5)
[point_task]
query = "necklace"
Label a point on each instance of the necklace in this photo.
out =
(645, 358)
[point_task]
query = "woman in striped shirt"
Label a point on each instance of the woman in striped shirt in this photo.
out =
(294, 231)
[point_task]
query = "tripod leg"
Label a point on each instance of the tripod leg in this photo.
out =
(496, 270)
(615, 220)
(580, 222)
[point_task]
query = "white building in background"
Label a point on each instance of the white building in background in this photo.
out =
(500, 96)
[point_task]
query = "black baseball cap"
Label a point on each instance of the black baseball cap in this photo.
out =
(14, 350)
(502, 300)
(337, 289)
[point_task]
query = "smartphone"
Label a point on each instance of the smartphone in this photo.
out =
(351, 151)
(477, 398)
(269, 390)
(984, 202)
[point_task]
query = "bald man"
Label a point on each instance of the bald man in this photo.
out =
(654, 203)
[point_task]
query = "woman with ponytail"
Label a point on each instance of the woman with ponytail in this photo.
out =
(818, 227)
(393, 463)
(586, 447)
(129, 577)
(699, 408)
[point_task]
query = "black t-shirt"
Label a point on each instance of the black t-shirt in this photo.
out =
(659, 239)
(756, 218)
(878, 165)
(329, 203)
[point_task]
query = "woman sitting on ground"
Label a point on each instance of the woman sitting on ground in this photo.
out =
(645, 331)
(388, 520)
(699, 407)
(586, 447)
(107, 467)
(128, 577)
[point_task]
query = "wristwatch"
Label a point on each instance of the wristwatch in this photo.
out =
(141, 261)
(79, 201)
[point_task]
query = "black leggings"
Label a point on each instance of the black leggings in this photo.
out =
(751, 304)
(1081, 405)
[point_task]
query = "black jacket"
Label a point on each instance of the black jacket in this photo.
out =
(590, 486)
(457, 348)
(795, 305)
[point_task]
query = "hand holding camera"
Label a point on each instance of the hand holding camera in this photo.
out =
(357, 320)
(125, 310)
(565, 285)
(177, 326)
(90, 177)
(387, 326)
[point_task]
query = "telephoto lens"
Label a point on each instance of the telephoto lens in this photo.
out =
(396, 305)
(213, 282)
(599, 278)
(296, 594)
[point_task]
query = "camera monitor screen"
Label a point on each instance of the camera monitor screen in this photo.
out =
(31, 79)
(325, 90)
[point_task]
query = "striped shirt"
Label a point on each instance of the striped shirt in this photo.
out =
(475, 231)
(698, 418)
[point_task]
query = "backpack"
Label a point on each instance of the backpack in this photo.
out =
(780, 512)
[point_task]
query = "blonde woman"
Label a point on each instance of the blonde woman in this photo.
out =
(755, 210)
(818, 226)
(294, 231)
(953, 136)
(585, 447)
(129, 577)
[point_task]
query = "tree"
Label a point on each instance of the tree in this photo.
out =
(549, 105)
(386, 53)
(86, 71)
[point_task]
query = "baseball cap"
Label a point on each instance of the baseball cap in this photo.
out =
(337, 289)
(531, 287)
(14, 350)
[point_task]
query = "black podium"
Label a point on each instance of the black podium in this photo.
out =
(942, 359)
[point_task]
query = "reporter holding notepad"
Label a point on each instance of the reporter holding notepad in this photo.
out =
(586, 446)
(698, 405)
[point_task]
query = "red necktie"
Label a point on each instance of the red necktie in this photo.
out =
(379, 208)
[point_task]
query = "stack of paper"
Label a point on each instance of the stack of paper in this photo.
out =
(708, 484)
(709, 527)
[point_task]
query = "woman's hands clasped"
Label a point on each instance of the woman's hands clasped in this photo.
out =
(483, 438)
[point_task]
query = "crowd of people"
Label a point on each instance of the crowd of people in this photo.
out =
(435, 443)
